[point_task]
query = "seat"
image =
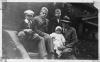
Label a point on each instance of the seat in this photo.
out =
(31, 46)
(12, 48)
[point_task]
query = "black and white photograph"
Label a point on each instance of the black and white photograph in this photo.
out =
(50, 30)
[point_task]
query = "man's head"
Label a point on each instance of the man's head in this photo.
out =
(57, 12)
(58, 29)
(65, 23)
(29, 14)
(43, 12)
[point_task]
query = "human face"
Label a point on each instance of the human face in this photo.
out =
(29, 17)
(58, 31)
(65, 25)
(43, 13)
(57, 14)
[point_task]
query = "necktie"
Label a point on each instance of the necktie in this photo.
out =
(63, 30)
(58, 20)
(29, 24)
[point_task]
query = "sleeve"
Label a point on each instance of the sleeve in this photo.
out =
(63, 39)
(22, 26)
(47, 25)
(51, 35)
(74, 36)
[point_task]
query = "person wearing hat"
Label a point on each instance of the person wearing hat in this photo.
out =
(55, 21)
(58, 40)
(27, 23)
(70, 36)
(40, 23)
(27, 32)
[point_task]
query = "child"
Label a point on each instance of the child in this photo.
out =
(58, 40)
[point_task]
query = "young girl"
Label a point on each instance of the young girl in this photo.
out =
(58, 40)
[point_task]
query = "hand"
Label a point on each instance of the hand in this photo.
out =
(69, 45)
(63, 47)
(35, 35)
(67, 50)
(21, 34)
(28, 31)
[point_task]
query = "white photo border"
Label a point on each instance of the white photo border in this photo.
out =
(97, 4)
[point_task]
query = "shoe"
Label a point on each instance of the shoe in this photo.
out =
(52, 56)
(45, 58)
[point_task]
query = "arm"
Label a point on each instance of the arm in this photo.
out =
(74, 37)
(63, 40)
(23, 29)
(22, 26)
(47, 25)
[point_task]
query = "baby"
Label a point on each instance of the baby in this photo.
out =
(58, 40)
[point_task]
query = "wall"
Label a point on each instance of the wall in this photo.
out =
(13, 13)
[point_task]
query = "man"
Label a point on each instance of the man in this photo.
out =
(40, 27)
(26, 31)
(56, 21)
(71, 38)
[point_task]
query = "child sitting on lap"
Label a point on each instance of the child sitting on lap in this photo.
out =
(58, 40)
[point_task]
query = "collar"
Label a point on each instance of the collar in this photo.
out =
(26, 21)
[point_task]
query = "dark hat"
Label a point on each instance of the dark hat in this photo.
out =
(66, 17)
(65, 21)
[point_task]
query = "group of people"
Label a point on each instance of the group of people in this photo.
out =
(60, 40)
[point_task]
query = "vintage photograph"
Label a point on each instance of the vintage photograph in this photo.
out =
(49, 30)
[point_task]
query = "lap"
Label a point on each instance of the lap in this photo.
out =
(46, 35)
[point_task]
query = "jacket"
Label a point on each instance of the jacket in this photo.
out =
(40, 25)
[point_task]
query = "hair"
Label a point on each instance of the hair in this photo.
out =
(44, 8)
(57, 10)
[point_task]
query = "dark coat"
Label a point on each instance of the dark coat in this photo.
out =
(25, 25)
(54, 23)
(70, 35)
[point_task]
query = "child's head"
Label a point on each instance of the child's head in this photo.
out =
(58, 29)
(29, 14)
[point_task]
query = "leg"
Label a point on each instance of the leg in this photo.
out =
(41, 46)
(49, 45)
(49, 42)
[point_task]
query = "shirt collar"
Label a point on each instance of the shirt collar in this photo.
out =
(26, 21)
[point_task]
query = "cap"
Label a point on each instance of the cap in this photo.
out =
(66, 17)
(44, 8)
(58, 27)
(29, 12)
